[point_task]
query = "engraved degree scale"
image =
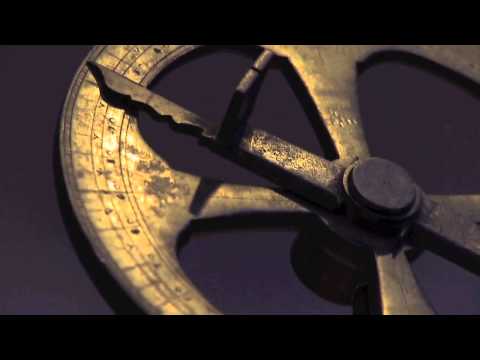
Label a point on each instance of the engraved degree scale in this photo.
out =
(132, 205)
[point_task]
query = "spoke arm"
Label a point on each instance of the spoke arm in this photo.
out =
(398, 292)
(231, 203)
(231, 200)
(337, 102)
(306, 174)
(343, 122)
(329, 75)
(242, 103)
(468, 205)
(449, 233)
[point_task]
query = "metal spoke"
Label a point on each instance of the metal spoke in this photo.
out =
(231, 200)
(243, 100)
(469, 205)
(295, 169)
(398, 291)
(448, 233)
(208, 199)
(330, 79)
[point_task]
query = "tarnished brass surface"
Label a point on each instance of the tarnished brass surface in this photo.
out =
(132, 204)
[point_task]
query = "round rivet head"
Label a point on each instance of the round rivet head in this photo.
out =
(382, 185)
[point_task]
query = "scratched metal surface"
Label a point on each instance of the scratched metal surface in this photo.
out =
(133, 205)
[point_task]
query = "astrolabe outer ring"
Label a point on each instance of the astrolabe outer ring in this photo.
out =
(132, 205)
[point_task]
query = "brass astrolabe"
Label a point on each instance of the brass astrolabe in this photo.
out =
(132, 205)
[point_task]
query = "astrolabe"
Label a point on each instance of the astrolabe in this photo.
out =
(133, 205)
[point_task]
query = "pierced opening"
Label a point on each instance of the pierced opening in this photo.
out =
(242, 266)
(424, 117)
(203, 81)
(285, 109)
(450, 289)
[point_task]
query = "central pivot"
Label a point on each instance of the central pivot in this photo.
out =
(381, 193)
(382, 186)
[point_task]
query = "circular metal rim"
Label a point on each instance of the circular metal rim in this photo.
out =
(81, 214)
(101, 253)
